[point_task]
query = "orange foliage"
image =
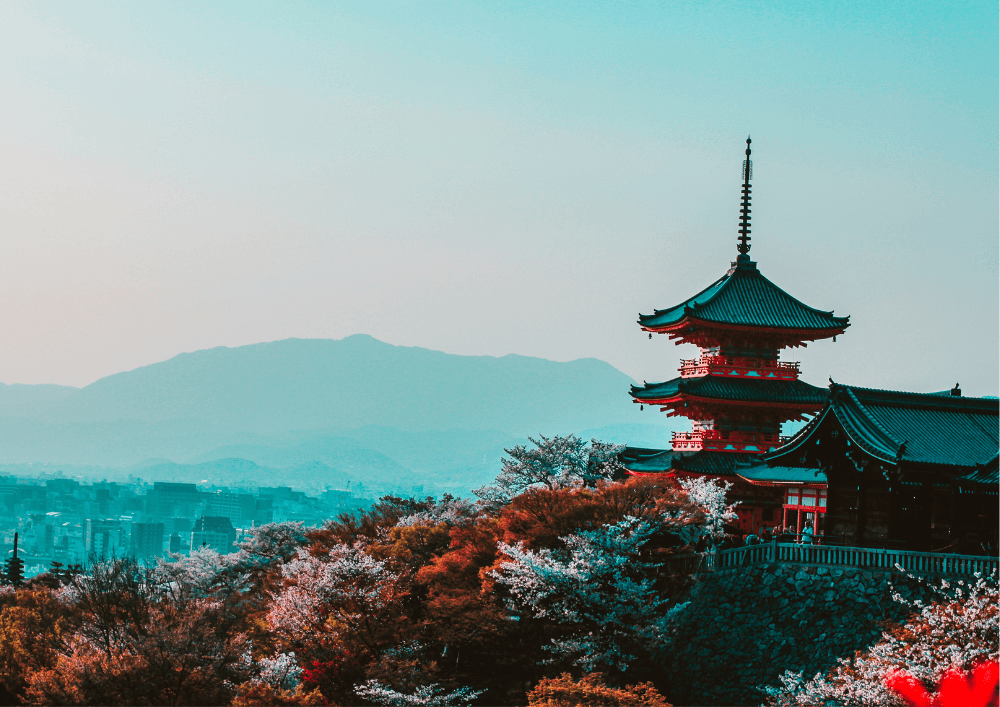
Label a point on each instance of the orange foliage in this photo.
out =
(589, 690)
(255, 694)
(539, 517)
(458, 610)
(32, 628)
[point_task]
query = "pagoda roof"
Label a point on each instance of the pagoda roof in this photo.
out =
(744, 297)
(652, 461)
(739, 390)
(920, 428)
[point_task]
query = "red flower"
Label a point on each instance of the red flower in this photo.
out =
(956, 689)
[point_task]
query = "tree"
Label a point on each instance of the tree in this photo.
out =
(556, 462)
(958, 630)
(339, 612)
(183, 655)
(710, 496)
(33, 628)
(598, 594)
(590, 691)
(426, 696)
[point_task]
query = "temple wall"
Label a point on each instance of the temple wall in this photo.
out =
(745, 627)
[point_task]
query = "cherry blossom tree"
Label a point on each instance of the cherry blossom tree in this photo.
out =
(958, 630)
(556, 462)
(710, 496)
(426, 696)
(598, 592)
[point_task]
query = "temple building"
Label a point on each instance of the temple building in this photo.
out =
(915, 471)
(737, 392)
(873, 468)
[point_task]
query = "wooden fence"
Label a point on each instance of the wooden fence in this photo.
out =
(833, 556)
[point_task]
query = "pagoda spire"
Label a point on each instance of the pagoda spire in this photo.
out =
(744, 246)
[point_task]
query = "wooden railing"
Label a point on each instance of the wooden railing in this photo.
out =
(833, 556)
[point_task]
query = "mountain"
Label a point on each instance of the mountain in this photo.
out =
(356, 404)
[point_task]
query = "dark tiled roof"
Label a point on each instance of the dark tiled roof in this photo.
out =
(921, 428)
(745, 297)
(649, 461)
(737, 389)
(988, 473)
(796, 474)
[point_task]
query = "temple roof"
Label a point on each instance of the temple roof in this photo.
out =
(744, 297)
(988, 473)
(739, 390)
(921, 428)
(782, 474)
(651, 461)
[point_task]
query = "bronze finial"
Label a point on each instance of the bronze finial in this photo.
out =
(744, 246)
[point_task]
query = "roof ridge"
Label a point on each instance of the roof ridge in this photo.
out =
(900, 446)
(934, 400)
(875, 422)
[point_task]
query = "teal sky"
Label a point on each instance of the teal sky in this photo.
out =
(492, 178)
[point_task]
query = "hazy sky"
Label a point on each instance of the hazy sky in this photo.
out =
(493, 178)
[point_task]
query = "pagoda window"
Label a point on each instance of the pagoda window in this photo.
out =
(822, 498)
(793, 497)
(808, 497)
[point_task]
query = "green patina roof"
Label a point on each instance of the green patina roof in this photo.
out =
(786, 474)
(745, 297)
(921, 428)
(649, 461)
(735, 389)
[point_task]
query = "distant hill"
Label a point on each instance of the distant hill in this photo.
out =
(355, 404)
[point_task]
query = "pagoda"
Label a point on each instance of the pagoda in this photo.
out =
(737, 392)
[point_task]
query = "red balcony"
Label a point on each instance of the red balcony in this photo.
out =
(716, 441)
(760, 368)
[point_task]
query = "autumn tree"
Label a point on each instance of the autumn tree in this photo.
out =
(33, 628)
(590, 691)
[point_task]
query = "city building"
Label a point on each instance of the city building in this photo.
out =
(103, 538)
(147, 539)
(216, 532)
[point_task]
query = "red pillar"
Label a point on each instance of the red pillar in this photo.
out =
(798, 525)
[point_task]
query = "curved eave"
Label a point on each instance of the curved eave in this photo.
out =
(690, 322)
(799, 438)
(685, 398)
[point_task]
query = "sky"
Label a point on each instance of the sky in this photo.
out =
(495, 178)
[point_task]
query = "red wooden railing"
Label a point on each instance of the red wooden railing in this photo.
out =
(719, 441)
(739, 367)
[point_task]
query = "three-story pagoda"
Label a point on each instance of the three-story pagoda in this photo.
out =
(737, 392)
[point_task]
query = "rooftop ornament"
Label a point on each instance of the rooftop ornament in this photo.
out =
(744, 237)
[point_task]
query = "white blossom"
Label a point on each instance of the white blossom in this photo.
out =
(597, 590)
(280, 671)
(959, 629)
(556, 462)
(710, 495)
(347, 581)
(452, 511)
(427, 696)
